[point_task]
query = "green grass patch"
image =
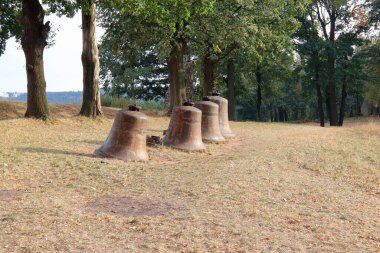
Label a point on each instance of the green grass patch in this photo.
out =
(123, 102)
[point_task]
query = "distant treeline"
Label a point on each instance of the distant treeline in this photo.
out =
(64, 97)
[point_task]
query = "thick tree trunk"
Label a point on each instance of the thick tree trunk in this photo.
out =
(91, 106)
(172, 82)
(258, 94)
(231, 90)
(319, 96)
(343, 101)
(177, 77)
(208, 75)
(189, 79)
(33, 41)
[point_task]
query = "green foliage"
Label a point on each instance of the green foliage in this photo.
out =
(141, 78)
(123, 102)
(9, 11)
(370, 57)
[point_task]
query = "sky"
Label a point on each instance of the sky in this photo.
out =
(62, 61)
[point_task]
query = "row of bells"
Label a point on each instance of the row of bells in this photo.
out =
(190, 126)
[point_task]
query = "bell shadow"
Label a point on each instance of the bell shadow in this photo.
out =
(53, 151)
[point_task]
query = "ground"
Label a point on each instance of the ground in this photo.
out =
(274, 188)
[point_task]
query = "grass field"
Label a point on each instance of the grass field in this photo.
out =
(274, 188)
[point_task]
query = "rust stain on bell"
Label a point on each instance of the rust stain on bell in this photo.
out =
(127, 139)
(210, 121)
(223, 115)
(184, 130)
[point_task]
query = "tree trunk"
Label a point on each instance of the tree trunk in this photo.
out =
(172, 81)
(358, 105)
(343, 101)
(91, 106)
(331, 75)
(271, 114)
(327, 106)
(208, 75)
(319, 95)
(177, 77)
(33, 41)
(280, 114)
(276, 118)
(189, 79)
(286, 118)
(259, 95)
(231, 90)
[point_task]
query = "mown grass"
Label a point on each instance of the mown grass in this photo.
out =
(274, 188)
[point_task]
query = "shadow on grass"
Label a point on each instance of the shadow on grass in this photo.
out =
(53, 151)
(93, 142)
(156, 130)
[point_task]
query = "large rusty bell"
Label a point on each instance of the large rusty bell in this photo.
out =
(223, 115)
(184, 130)
(127, 139)
(210, 121)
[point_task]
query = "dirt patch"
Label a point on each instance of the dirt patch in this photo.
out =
(7, 196)
(127, 206)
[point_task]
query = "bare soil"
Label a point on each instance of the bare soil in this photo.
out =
(274, 188)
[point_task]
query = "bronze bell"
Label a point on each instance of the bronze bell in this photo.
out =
(184, 130)
(127, 139)
(210, 121)
(223, 115)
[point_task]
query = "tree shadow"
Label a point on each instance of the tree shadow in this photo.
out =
(93, 142)
(54, 152)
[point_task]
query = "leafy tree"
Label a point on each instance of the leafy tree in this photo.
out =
(370, 55)
(142, 77)
(9, 10)
(337, 18)
(165, 26)
(310, 47)
(91, 106)
(249, 29)
(25, 20)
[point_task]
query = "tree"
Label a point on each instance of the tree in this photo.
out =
(9, 10)
(91, 106)
(337, 18)
(34, 40)
(166, 28)
(34, 34)
(310, 46)
(370, 57)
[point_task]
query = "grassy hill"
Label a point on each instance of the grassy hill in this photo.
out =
(274, 188)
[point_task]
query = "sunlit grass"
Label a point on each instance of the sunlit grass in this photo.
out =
(275, 187)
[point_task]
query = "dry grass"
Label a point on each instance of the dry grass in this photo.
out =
(274, 188)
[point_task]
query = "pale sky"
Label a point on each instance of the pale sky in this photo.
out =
(62, 61)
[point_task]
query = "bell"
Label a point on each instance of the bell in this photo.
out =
(127, 139)
(184, 130)
(210, 121)
(223, 115)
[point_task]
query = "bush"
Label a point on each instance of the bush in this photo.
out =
(123, 102)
